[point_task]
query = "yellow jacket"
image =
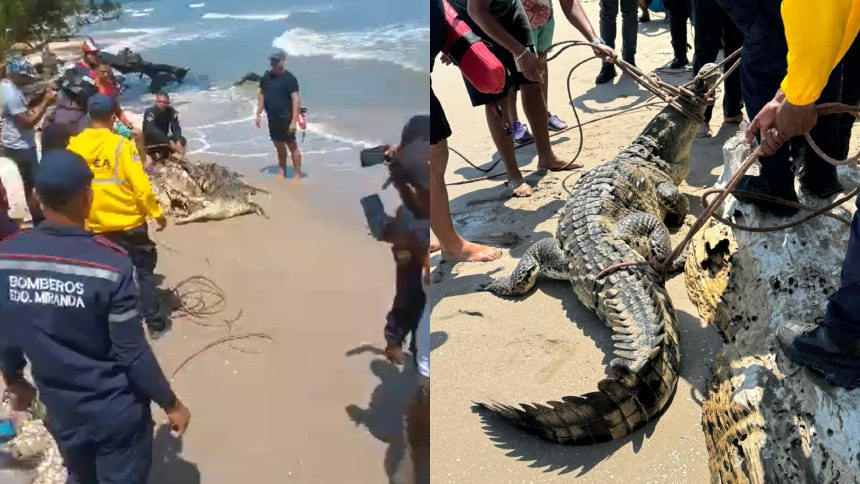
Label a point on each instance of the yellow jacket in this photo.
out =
(818, 35)
(122, 194)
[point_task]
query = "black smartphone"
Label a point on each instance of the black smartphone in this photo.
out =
(374, 212)
(373, 156)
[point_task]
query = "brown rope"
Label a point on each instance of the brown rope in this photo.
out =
(815, 213)
(662, 266)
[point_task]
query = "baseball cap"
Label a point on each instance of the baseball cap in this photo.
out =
(21, 66)
(278, 55)
(414, 154)
(60, 176)
(100, 106)
(90, 46)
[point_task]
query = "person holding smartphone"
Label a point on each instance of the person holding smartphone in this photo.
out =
(409, 234)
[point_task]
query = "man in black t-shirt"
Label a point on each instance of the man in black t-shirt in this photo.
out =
(279, 96)
(162, 133)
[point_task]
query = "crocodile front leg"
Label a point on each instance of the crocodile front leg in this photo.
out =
(647, 235)
(675, 203)
(544, 256)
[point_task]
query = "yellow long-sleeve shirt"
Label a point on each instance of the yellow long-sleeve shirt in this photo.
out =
(818, 35)
(122, 193)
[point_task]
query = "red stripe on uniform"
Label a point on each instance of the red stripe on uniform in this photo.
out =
(47, 258)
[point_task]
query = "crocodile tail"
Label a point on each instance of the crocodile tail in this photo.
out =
(636, 393)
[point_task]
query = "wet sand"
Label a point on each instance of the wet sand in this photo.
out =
(546, 345)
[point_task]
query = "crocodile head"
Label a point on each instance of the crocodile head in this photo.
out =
(671, 132)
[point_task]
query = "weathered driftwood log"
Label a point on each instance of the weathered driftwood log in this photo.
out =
(766, 419)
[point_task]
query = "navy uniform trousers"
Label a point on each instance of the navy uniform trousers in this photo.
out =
(843, 312)
(763, 67)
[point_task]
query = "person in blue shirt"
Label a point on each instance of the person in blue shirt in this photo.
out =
(18, 137)
(68, 302)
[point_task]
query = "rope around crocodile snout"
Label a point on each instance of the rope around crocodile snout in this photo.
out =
(662, 266)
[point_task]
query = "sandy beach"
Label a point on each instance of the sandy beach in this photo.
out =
(318, 403)
(547, 345)
(309, 400)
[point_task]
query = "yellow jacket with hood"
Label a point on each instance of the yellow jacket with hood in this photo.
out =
(122, 193)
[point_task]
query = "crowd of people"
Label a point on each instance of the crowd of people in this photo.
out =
(783, 75)
(80, 284)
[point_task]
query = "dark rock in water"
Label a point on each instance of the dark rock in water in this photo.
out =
(249, 77)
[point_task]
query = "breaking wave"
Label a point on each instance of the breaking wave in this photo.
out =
(253, 16)
(143, 39)
(405, 45)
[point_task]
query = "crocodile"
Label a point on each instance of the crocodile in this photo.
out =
(195, 192)
(617, 212)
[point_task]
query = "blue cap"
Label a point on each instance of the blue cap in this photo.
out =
(101, 106)
(278, 55)
(61, 175)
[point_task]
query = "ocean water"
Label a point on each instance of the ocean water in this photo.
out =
(362, 67)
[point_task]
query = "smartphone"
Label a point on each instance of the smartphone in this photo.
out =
(374, 212)
(7, 430)
(373, 156)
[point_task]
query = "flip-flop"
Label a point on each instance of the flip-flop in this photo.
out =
(567, 167)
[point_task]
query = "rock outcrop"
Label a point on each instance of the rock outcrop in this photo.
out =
(766, 419)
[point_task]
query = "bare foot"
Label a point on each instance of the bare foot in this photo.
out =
(434, 245)
(555, 164)
(704, 131)
(519, 188)
(734, 119)
(297, 180)
(471, 252)
(394, 354)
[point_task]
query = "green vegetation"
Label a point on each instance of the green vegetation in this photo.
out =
(33, 22)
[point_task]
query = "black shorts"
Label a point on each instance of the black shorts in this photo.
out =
(279, 130)
(516, 23)
(439, 128)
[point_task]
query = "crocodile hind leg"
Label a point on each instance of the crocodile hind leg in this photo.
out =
(675, 203)
(544, 256)
(647, 235)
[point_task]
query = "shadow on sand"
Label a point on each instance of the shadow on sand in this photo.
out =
(167, 466)
(383, 415)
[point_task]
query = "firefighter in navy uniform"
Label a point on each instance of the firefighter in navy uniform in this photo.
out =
(68, 302)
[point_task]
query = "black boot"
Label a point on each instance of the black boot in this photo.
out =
(680, 61)
(815, 174)
(813, 346)
(764, 186)
(607, 72)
